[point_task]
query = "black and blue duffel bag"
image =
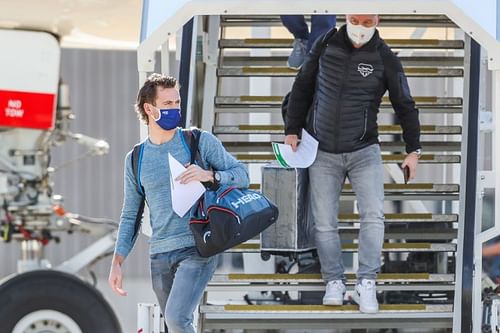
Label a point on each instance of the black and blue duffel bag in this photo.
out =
(229, 216)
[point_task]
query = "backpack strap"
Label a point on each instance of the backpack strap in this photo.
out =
(136, 159)
(191, 141)
(324, 43)
(193, 136)
(195, 142)
(136, 166)
(326, 38)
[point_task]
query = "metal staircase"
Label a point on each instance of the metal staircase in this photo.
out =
(419, 235)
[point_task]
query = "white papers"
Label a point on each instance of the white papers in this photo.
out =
(302, 158)
(184, 196)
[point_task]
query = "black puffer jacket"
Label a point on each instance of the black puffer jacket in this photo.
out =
(349, 85)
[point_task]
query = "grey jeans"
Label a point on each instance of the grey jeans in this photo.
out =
(179, 278)
(327, 176)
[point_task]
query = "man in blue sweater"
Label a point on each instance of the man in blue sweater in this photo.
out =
(179, 274)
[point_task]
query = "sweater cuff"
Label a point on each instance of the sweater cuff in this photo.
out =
(412, 148)
(292, 131)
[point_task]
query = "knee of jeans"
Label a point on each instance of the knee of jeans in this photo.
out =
(321, 229)
(372, 216)
(177, 322)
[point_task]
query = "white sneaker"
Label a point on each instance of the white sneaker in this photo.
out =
(365, 294)
(334, 294)
(298, 54)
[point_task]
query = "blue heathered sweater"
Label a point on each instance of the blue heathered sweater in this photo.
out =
(170, 231)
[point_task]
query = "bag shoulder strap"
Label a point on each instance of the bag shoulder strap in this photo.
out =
(136, 159)
(326, 39)
(192, 138)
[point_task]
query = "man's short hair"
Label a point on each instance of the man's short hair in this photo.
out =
(148, 92)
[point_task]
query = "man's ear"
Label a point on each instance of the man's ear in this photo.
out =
(149, 109)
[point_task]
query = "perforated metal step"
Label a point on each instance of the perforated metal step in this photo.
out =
(385, 21)
(270, 101)
(252, 246)
(291, 72)
(393, 43)
(281, 60)
(382, 129)
(425, 158)
(265, 147)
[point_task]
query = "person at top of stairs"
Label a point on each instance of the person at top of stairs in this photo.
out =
(357, 68)
(303, 39)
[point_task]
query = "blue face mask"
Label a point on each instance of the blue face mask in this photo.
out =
(169, 118)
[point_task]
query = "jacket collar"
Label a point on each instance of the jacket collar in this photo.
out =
(344, 39)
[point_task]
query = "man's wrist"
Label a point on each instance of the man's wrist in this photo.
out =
(211, 178)
(117, 260)
(417, 152)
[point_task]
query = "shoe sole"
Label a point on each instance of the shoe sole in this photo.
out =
(294, 67)
(355, 298)
(333, 301)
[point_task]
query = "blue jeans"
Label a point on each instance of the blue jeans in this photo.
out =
(297, 26)
(327, 176)
(179, 278)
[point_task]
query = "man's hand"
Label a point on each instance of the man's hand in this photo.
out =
(411, 162)
(116, 276)
(194, 172)
(292, 140)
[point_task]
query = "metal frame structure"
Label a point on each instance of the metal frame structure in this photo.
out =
(467, 305)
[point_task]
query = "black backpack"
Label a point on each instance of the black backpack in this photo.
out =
(324, 44)
(191, 137)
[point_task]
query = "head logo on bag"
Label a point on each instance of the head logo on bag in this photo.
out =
(246, 199)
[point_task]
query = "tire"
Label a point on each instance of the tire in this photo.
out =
(53, 302)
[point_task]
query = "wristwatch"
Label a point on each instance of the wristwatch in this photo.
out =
(418, 152)
(217, 177)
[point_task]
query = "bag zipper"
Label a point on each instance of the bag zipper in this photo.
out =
(223, 194)
(226, 211)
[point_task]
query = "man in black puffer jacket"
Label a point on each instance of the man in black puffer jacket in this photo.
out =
(342, 84)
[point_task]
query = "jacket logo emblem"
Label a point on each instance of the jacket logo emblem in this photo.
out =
(365, 69)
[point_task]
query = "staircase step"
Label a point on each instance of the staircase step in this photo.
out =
(252, 246)
(404, 218)
(425, 158)
(265, 147)
(421, 101)
(393, 43)
(419, 187)
(398, 192)
(308, 317)
(291, 72)
(281, 60)
(235, 282)
(404, 233)
(266, 109)
(440, 21)
(382, 129)
(316, 278)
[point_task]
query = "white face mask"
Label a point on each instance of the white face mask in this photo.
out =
(358, 34)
